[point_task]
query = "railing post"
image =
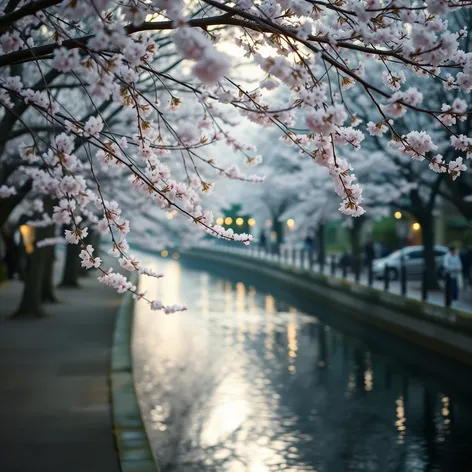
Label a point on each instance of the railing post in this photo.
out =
(403, 278)
(322, 266)
(344, 269)
(302, 258)
(312, 259)
(370, 274)
(386, 278)
(333, 265)
(294, 256)
(424, 285)
(448, 291)
(357, 270)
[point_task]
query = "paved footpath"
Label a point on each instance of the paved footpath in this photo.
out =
(55, 411)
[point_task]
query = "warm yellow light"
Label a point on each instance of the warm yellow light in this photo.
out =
(397, 215)
(175, 256)
(239, 221)
(228, 220)
(290, 223)
(28, 233)
(220, 221)
(164, 253)
(415, 226)
(251, 222)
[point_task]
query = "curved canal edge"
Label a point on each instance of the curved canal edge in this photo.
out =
(130, 435)
(444, 330)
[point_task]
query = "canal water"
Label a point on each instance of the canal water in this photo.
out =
(252, 379)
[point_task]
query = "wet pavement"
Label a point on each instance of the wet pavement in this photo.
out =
(252, 379)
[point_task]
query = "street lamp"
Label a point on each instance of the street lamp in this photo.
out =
(239, 221)
(415, 226)
(220, 221)
(398, 215)
(251, 222)
(228, 220)
(28, 236)
(290, 223)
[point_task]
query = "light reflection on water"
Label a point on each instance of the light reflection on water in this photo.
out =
(245, 382)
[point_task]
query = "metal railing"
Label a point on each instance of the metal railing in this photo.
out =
(353, 271)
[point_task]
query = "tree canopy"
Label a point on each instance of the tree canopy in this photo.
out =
(109, 106)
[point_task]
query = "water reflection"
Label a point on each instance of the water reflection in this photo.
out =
(246, 382)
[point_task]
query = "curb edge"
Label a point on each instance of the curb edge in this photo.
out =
(130, 436)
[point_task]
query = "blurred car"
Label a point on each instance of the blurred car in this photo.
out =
(413, 258)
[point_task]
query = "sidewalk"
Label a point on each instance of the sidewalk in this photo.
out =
(54, 398)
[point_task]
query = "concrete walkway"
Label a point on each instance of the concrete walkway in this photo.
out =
(54, 397)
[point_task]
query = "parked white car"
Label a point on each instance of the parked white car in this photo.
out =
(412, 258)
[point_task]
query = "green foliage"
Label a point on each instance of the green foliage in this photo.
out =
(385, 231)
(335, 248)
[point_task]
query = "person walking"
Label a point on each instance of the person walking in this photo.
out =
(263, 240)
(453, 267)
(466, 259)
(309, 241)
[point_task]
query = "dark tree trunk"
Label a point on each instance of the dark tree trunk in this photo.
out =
(356, 244)
(96, 243)
(7, 205)
(355, 235)
(277, 226)
(30, 305)
(48, 294)
(321, 237)
(70, 276)
(426, 221)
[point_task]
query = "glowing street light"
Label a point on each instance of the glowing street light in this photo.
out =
(220, 221)
(239, 221)
(164, 253)
(290, 223)
(415, 226)
(228, 220)
(398, 215)
(28, 235)
(251, 222)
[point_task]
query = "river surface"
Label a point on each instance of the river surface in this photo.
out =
(251, 379)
